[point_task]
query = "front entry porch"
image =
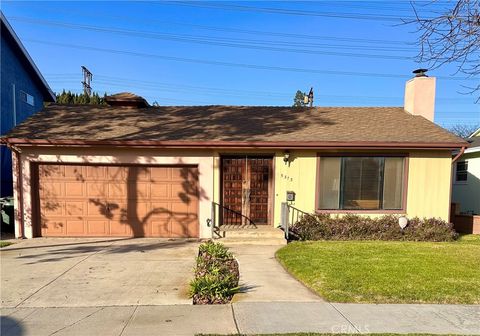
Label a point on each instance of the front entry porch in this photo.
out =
(245, 210)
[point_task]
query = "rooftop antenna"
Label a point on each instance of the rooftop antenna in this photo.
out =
(87, 78)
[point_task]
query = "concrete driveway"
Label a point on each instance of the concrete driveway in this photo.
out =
(49, 272)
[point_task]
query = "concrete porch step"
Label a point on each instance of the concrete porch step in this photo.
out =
(260, 236)
(252, 241)
(259, 232)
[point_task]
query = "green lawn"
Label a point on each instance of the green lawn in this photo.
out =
(4, 243)
(322, 334)
(388, 272)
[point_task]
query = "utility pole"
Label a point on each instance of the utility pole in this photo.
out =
(308, 99)
(87, 77)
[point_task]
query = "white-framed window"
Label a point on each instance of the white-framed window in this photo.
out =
(461, 171)
(27, 98)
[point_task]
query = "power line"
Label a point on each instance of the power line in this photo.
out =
(271, 10)
(268, 45)
(143, 84)
(232, 64)
(307, 36)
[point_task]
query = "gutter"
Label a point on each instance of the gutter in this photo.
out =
(233, 144)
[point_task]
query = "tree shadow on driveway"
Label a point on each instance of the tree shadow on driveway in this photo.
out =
(53, 253)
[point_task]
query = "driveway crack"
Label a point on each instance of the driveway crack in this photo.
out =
(128, 321)
(60, 275)
(78, 321)
(235, 319)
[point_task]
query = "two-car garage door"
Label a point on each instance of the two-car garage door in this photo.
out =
(123, 201)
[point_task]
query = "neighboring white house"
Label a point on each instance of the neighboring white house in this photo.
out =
(466, 177)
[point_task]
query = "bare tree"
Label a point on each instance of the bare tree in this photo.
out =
(463, 130)
(450, 34)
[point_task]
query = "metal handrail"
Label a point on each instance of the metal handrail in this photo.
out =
(289, 216)
(224, 217)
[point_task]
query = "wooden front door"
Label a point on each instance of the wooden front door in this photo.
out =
(247, 189)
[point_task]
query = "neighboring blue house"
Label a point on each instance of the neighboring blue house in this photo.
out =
(23, 92)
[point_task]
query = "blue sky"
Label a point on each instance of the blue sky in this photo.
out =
(237, 53)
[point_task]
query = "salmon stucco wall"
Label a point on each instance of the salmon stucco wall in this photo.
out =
(202, 159)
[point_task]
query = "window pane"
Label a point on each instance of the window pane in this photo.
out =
(462, 171)
(362, 177)
(329, 182)
(393, 183)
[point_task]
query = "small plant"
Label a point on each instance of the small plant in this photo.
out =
(5, 244)
(354, 227)
(216, 275)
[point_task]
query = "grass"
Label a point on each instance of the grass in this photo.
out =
(4, 243)
(321, 334)
(388, 272)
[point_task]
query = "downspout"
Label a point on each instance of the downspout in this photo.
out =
(19, 191)
(14, 105)
(462, 150)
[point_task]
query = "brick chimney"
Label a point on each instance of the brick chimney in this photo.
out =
(420, 95)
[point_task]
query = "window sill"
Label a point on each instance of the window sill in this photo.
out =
(379, 212)
(460, 182)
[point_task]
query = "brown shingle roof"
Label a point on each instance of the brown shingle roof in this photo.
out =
(232, 123)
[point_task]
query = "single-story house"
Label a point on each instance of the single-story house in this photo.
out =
(466, 177)
(23, 90)
(129, 169)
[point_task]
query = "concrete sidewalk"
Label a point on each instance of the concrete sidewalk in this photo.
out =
(263, 279)
(243, 318)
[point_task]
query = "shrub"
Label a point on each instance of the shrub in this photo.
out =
(216, 275)
(355, 227)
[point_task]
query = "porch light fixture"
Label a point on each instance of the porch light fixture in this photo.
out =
(286, 156)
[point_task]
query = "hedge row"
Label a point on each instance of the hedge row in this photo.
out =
(355, 227)
(216, 275)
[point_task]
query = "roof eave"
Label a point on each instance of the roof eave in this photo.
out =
(51, 95)
(237, 144)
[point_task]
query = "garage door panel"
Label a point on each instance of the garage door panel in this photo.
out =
(52, 171)
(52, 189)
(97, 228)
(158, 175)
(118, 201)
(96, 173)
(161, 190)
(97, 207)
(52, 207)
(160, 228)
(120, 228)
(54, 227)
(75, 227)
(74, 173)
(96, 189)
(139, 174)
(74, 189)
(117, 189)
(142, 191)
(117, 173)
(74, 208)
